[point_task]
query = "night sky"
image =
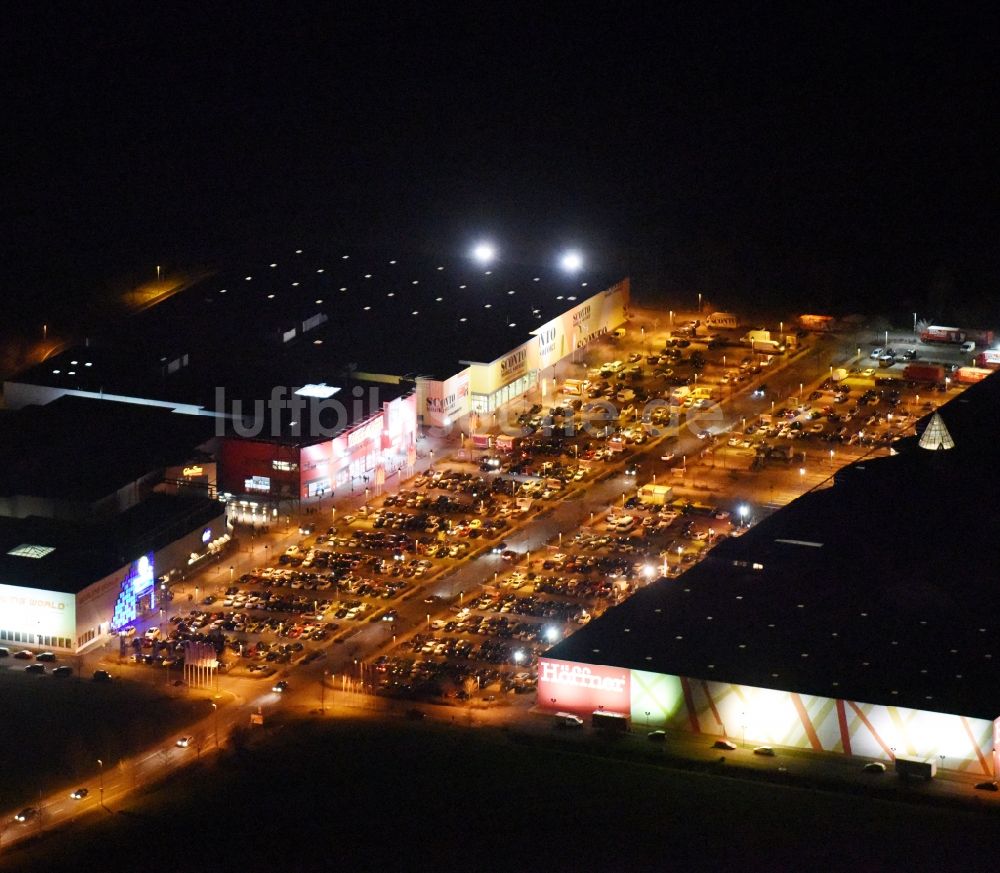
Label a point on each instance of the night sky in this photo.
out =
(841, 155)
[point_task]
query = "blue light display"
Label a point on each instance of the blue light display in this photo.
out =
(137, 583)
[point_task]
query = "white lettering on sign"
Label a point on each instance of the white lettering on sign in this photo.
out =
(366, 432)
(580, 676)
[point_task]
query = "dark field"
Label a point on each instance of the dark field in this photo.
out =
(353, 795)
(56, 729)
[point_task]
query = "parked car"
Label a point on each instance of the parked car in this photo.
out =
(62, 670)
(874, 767)
(102, 676)
(724, 744)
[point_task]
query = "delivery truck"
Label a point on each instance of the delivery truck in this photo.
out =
(612, 722)
(989, 359)
(915, 768)
(767, 347)
(971, 375)
(923, 373)
(937, 334)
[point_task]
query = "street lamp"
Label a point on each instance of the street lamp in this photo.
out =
(215, 713)
(744, 512)
(101, 765)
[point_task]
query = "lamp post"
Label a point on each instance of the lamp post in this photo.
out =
(100, 763)
(215, 714)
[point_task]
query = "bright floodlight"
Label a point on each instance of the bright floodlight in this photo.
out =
(484, 253)
(649, 570)
(744, 509)
(551, 634)
(571, 262)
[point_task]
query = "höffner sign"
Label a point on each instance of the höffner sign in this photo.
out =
(580, 677)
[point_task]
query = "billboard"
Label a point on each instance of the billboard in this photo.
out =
(34, 611)
(570, 687)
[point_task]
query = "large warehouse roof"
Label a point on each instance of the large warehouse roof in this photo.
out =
(881, 589)
(80, 449)
(370, 312)
(56, 555)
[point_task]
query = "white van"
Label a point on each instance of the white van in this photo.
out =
(568, 720)
(968, 346)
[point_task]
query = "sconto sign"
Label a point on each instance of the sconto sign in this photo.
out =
(514, 364)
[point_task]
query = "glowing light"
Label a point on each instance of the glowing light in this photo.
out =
(571, 261)
(484, 252)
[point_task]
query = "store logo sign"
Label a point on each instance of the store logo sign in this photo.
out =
(580, 677)
(514, 362)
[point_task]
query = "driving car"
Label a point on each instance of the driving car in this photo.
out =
(987, 786)
(35, 668)
(26, 814)
(79, 794)
(102, 676)
(656, 736)
(873, 767)
(765, 751)
(280, 687)
(184, 742)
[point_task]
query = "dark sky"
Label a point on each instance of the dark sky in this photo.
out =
(841, 155)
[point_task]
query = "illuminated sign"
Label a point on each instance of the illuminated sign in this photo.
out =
(141, 574)
(583, 687)
(583, 677)
(514, 363)
(33, 611)
(258, 483)
(581, 315)
(364, 433)
(196, 470)
(137, 583)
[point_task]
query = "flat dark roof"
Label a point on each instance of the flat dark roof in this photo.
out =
(83, 553)
(881, 589)
(375, 313)
(81, 449)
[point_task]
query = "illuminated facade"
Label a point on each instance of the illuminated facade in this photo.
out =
(280, 469)
(483, 387)
(768, 716)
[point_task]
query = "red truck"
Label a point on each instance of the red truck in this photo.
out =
(989, 359)
(937, 334)
(923, 373)
(971, 375)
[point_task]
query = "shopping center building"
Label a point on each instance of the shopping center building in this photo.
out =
(92, 526)
(857, 620)
(397, 346)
